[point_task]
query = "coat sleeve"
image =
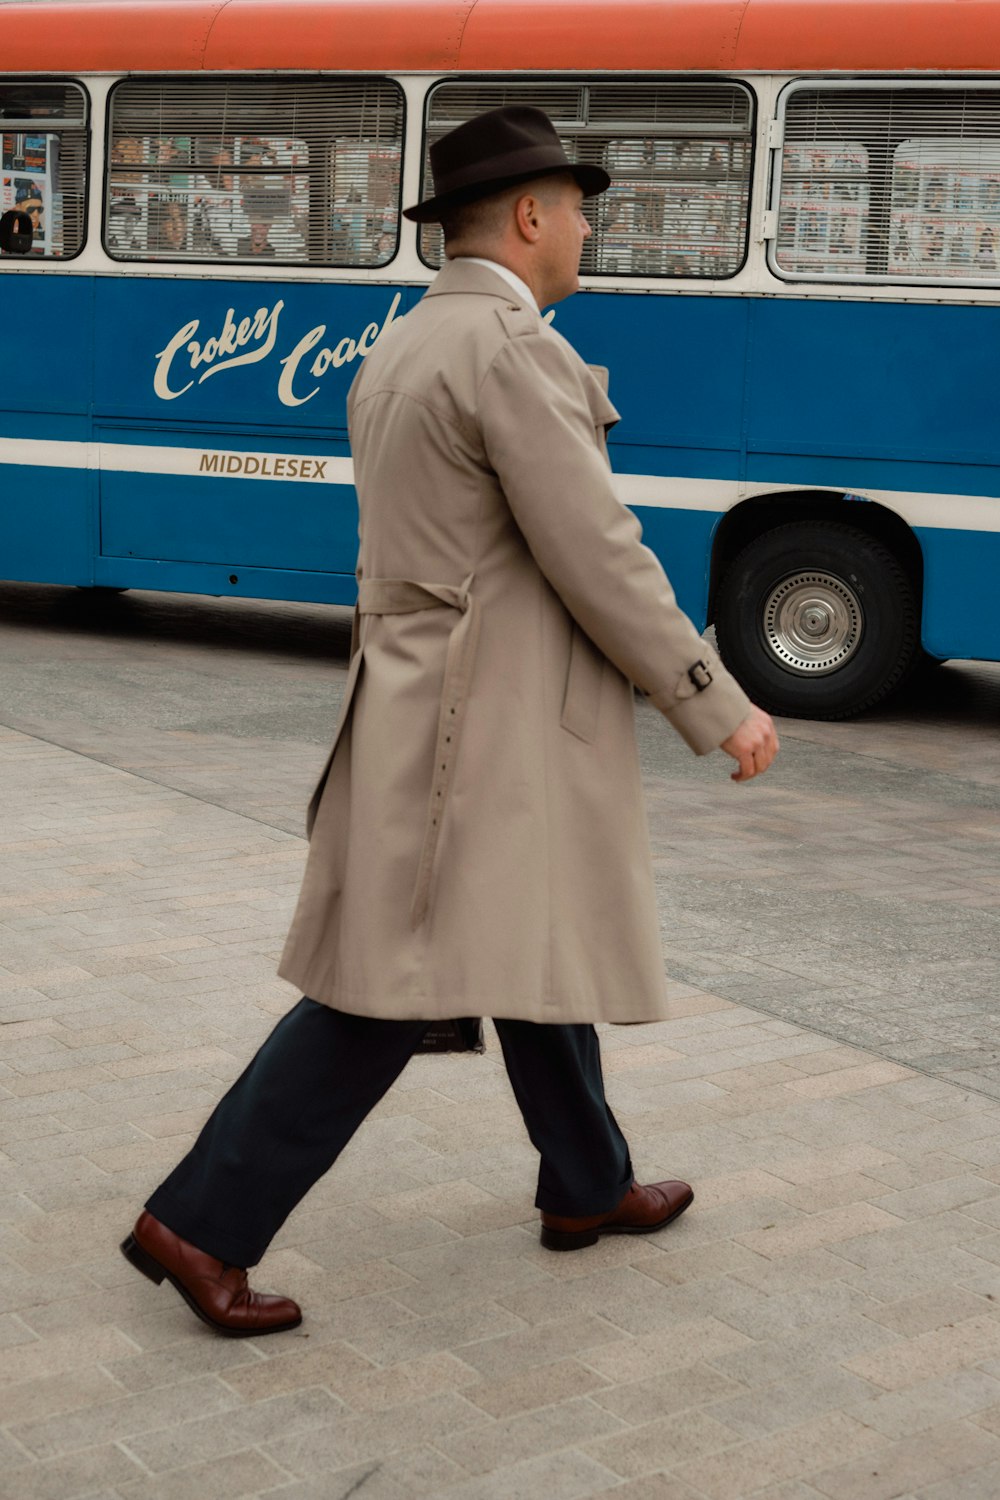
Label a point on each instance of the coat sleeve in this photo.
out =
(540, 440)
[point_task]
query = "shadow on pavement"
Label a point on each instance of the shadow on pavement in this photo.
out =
(295, 630)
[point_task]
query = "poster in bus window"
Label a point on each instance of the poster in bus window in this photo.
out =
(823, 216)
(945, 210)
(30, 194)
(29, 170)
(12, 157)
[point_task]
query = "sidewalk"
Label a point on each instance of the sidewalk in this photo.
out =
(825, 1322)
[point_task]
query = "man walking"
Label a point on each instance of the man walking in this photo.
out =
(478, 837)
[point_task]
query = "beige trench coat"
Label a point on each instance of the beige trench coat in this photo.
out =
(478, 837)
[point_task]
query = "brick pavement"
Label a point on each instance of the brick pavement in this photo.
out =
(823, 1325)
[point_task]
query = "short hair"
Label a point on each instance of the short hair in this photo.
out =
(484, 218)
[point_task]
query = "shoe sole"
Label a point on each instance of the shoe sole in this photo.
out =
(157, 1273)
(579, 1239)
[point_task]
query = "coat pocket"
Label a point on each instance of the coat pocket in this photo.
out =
(582, 698)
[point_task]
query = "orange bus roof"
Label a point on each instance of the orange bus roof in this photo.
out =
(386, 36)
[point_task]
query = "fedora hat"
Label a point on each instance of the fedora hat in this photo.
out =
(497, 150)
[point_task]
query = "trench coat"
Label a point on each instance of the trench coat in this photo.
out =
(478, 837)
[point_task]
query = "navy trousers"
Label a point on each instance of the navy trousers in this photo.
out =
(287, 1118)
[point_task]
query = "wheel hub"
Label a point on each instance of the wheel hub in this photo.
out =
(813, 623)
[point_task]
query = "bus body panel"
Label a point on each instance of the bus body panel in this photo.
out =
(961, 584)
(912, 382)
(46, 528)
(46, 376)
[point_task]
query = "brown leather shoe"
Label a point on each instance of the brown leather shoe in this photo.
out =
(217, 1293)
(641, 1211)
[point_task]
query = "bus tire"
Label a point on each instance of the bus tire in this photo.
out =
(817, 620)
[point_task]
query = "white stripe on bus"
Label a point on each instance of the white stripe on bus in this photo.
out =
(654, 491)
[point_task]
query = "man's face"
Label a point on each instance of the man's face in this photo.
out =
(564, 230)
(172, 230)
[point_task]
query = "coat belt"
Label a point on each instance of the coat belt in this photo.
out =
(402, 596)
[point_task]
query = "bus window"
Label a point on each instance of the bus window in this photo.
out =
(284, 170)
(679, 157)
(43, 162)
(900, 182)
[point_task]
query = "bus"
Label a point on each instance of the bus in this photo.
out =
(794, 282)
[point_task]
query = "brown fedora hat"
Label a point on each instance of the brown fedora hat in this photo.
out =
(497, 150)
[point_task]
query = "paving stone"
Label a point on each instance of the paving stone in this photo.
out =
(112, 1421)
(908, 1361)
(783, 1405)
(650, 1487)
(369, 1435)
(81, 1474)
(941, 1453)
(528, 1389)
(933, 1402)
(486, 1447)
(291, 1418)
(762, 1463)
(228, 1478)
(568, 1475)
(416, 1473)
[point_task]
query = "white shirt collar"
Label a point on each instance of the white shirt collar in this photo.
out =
(522, 288)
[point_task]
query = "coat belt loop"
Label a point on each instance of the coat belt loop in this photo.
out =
(396, 596)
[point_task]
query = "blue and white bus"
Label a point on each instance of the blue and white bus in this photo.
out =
(794, 281)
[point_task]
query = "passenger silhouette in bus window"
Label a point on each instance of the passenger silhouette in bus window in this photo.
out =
(124, 225)
(684, 161)
(126, 152)
(216, 220)
(167, 233)
(256, 244)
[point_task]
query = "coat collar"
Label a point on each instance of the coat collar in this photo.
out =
(461, 276)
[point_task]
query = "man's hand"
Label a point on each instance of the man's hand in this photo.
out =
(754, 745)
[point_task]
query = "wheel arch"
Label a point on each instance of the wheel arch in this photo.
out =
(762, 513)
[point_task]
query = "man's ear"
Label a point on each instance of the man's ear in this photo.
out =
(527, 217)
